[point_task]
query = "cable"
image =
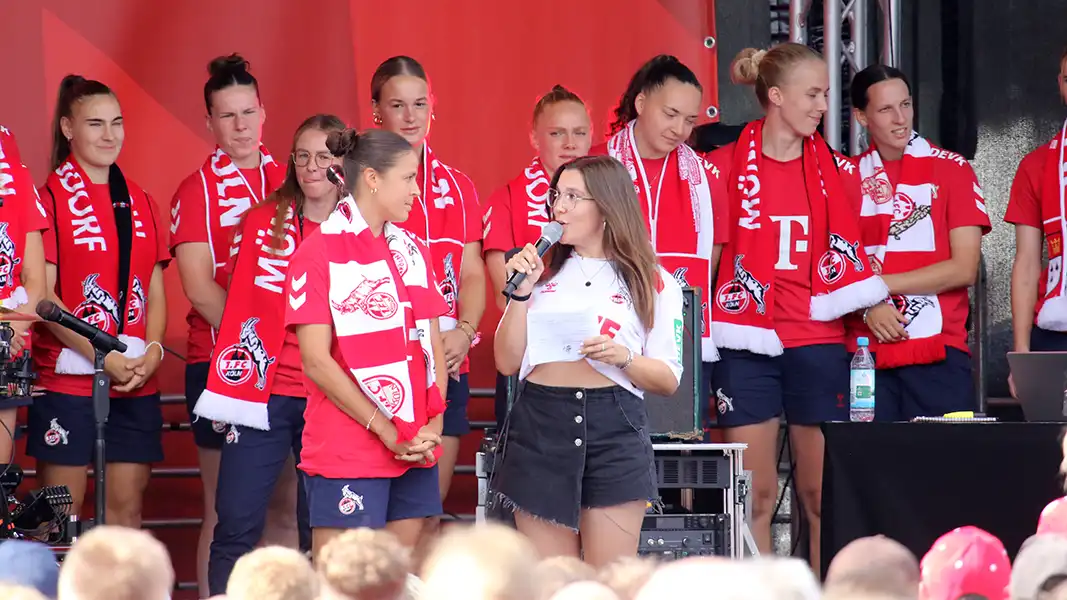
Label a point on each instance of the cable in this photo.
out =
(11, 459)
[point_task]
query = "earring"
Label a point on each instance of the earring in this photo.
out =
(374, 190)
(433, 116)
(377, 119)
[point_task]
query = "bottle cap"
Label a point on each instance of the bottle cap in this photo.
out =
(862, 341)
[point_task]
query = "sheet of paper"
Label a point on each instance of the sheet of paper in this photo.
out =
(557, 336)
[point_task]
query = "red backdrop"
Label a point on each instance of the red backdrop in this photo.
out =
(488, 62)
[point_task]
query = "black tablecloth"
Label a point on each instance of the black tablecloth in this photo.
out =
(915, 481)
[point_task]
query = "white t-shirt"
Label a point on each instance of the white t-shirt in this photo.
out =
(609, 298)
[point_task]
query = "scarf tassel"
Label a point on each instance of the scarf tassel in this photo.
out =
(435, 405)
(746, 337)
(922, 351)
(226, 409)
(850, 298)
(1053, 314)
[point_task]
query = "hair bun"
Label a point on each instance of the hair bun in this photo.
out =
(223, 65)
(745, 67)
(340, 143)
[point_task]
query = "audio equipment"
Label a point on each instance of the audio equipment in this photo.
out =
(680, 415)
(671, 537)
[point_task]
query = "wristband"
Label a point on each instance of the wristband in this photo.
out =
(162, 353)
(520, 298)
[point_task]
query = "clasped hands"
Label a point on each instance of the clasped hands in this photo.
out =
(419, 449)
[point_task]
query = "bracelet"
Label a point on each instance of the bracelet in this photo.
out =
(629, 359)
(162, 353)
(375, 414)
(521, 298)
(471, 335)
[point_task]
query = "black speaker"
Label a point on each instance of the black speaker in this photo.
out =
(679, 416)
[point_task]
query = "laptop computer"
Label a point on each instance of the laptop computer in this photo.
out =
(1040, 379)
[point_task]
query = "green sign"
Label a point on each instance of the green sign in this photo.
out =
(678, 331)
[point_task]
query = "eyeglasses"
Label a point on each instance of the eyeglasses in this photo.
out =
(322, 159)
(564, 200)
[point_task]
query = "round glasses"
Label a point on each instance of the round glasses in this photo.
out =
(564, 200)
(322, 159)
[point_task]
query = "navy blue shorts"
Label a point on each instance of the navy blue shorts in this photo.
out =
(373, 502)
(1044, 340)
(457, 397)
(62, 430)
(206, 433)
(904, 393)
(809, 384)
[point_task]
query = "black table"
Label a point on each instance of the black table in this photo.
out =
(915, 481)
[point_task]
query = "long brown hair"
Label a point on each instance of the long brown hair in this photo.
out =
(289, 193)
(626, 240)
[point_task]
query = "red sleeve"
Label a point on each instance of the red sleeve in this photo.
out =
(21, 183)
(188, 221)
(308, 293)
(472, 209)
(496, 221)
(36, 217)
(966, 203)
(1024, 204)
(162, 249)
(51, 253)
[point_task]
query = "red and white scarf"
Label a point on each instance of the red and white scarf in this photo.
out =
(368, 310)
(532, 186)
(445, 230)
(899, 236)
(16, 190)
(88, 261)
(250, 339)
(841, 278)
(1052, 307)
(679, 220)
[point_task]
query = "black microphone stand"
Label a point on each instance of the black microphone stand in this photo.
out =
(101, 411)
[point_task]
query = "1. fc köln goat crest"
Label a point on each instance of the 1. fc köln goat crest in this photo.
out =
(7, 258)
(237, 363)
(136, 307)
(99, 308)
(448, 284)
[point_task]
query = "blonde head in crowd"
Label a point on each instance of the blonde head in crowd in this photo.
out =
(380, 170)
(235, 114)
(116, 563)
(87, 123)
(627, 576)
(484, 562)
(306, 175)
(554, 573)
(273, 573)
(19, 592)
(561, 129)
(663, 99)
(596, 197)
(363, 564)
(401, 98)
(791, 81)
(585, 590)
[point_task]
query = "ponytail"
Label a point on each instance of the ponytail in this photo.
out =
(652, 75)
(227, 71)
(72, 89)
(557, 94)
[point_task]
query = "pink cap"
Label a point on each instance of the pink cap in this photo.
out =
(1053, 518)
(966, 560)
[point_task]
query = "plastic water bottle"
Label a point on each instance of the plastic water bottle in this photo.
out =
(861, 384)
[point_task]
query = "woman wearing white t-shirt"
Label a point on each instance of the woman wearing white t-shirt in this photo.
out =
(577, 457)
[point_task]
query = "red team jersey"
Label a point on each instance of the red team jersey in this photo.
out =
(792, 302)
(955, 205)
(189, 214)
(17, 193)
(516, 213)
(335, 445)
(448, 241)
(1024, 204)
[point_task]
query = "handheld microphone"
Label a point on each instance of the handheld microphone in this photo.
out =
(104, 342)
(336, 176)
(550, 235)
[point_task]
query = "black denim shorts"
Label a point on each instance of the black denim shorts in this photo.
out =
(566, 449)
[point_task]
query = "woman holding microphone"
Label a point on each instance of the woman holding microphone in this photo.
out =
(577, 465)
(364, 305)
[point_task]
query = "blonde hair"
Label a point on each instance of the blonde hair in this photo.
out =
(272, 573)
(768, 68)
(628, 575)
(557, 572)
(484, 562)
(365, 563)
(116, 563)
(19, 592)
